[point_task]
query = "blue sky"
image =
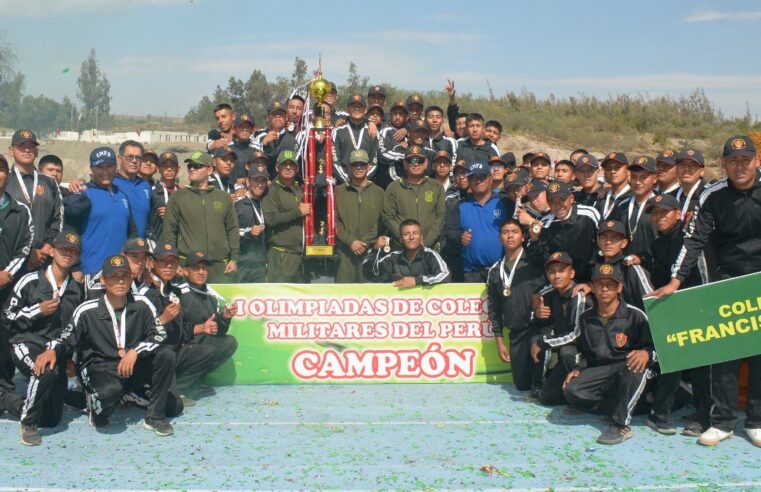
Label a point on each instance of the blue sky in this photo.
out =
(161, 56)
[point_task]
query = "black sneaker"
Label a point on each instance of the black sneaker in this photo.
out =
(666, 428)
(159, 427)
(30, 436)
(694, 429)
(98, 421)
(615, 434)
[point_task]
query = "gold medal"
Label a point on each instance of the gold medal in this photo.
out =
(507, 292)
(122, 353)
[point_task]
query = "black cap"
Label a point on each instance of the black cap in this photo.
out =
(196, 258)
(23, 136)
(509, 159)
(168, 157)
(586, 160)
(136, 245)
(68, 239)
(376, 90)
(497, 160)
(399, 104)
(224, 151)
(244, 119)
(442, 154)
(414, 151)
(527, 157)
(258, 156)
(414, 99)
(693, 155)
(606, 270)
(165, 250)
(644, 162)
(667, 157)
(276, 106)
(666, 201)
(519, 177)
(415, 125)
(257, 170)
(113, 264)
(460, 163)
(537, 187)
(612, 225)
(540, 155)
(558, 189)
(740, 145)
(3, 162)
(559, 257)
(615, 156)
(356, 99)
(376, 107)
(149, 153)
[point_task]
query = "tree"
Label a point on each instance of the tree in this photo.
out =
(355, 83)
(258, 96)
(7, 59)
(94, 91)
(299, 75)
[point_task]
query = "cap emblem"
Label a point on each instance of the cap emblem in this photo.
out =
(738, 143)
(117, 261)
(658, 198)
(612, 155)
(72, 238)
(668, 153)
(167, 247)
(606, 269)
(610, 223)
(553, 187)
(26, 134)
(690, 152)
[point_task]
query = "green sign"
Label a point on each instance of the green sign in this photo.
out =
(708, 324)
(369, 333)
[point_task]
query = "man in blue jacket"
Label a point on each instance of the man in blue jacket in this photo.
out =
(101, 211)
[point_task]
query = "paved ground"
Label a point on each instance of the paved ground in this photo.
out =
(417, 436)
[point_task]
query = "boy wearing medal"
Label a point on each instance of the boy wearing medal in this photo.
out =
(252, 267)
(119, 340)
(40, 306)
(202, 315)
(510, 283)
(354, 135)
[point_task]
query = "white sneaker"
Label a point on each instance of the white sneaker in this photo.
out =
(755, 436)
(714, 436)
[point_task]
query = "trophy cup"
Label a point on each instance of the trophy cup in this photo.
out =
(318, 180)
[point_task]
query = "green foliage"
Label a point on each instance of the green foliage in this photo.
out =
(94, 91)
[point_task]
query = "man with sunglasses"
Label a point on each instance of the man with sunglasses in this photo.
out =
(128, 180)
(415, 197)
(201, 217)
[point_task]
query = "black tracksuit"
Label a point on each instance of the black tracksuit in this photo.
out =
(252, 266)
(193, 360)
(639, 230)
(31, 333)
(636, 281)
(427, 266)
(558, 334)
(46, 204)
(343, 146)
(513, 313)
(589, 199)
(732, 218)
(90, 335)
(576, 235)
(197, 305)
(470, 152)
(16, 236)
(611, 207)
(159, 198)
(390, 158)
(451, 247)
(605, 384)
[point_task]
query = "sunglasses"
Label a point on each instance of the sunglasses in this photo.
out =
(414, 162)
(193, 166)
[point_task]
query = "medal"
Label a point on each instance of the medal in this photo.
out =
(387, 247)
(507, 282)
(120, 329)
(173, 298)
(22, 186)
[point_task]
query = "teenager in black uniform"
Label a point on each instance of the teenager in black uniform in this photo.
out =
(41, 305)
(639, 227)
(354, 135)
(160, 194)
(391, 152)
(615, 351)
(193, 360)
(38, 192)
(729, 212)
(666, 168)
(587, 170)
(119, 340)
(205, 313)
(16, 235)
(556, 313)
(690, 167)
(275, 138)
(253, 246)
(510, 284)
(615, 168)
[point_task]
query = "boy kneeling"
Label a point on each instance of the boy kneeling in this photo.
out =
(615, 348)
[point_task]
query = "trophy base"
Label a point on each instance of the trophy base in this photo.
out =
(319, 250)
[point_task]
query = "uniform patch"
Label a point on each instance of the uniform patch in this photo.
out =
(668, 153)
(217, 205)
(429, 196)
(497, 213)
(738, 143)
(117, 261)
(606, 269)
(621, 340)
(40, 190)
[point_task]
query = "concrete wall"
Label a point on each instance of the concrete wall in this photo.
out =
(146, 137)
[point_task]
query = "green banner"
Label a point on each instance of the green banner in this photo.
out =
(360, 333)
(708, 324)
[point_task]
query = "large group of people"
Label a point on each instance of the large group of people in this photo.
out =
(112, 273)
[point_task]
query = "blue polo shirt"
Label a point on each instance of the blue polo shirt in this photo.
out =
(483, 221)
(138, 193)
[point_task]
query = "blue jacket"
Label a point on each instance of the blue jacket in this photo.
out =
(139, 196)
(483, 221)
(104, 222)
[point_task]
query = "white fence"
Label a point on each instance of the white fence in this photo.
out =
(146, 137)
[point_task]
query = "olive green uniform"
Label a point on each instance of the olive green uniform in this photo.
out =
(358, 212)
(285, 232)
(423, 202)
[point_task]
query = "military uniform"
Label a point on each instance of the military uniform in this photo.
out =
(252, 267)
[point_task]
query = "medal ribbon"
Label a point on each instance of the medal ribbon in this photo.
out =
(120, 329)
(508, 282)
